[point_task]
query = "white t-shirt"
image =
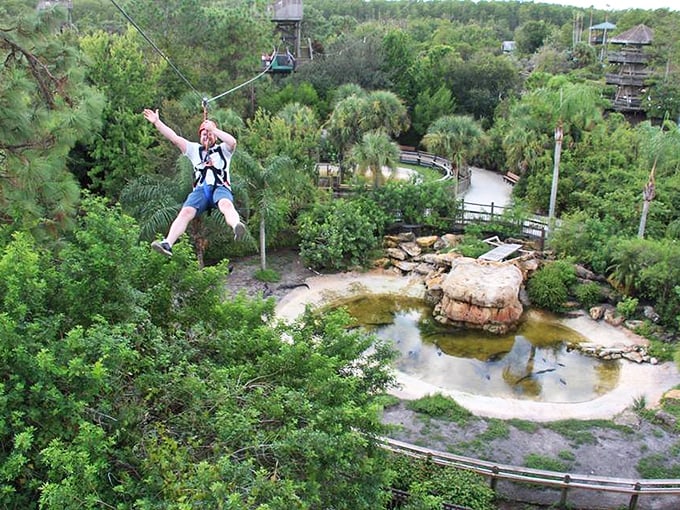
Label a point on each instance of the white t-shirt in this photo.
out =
(211, 166)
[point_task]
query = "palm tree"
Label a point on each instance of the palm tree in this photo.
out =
(456, 138)
(264, 184)
(375, 153)
(648, 194)
(569, 105)
(357, 114)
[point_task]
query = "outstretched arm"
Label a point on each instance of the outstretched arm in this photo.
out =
(155, 119)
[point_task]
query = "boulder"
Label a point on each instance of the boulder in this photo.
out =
(480, 294)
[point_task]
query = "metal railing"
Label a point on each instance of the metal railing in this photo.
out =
(547, 479)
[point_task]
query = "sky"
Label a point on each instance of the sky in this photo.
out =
(618, 5)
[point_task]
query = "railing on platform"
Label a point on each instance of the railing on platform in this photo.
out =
(329, 173)
(549, 479)
(469, 212)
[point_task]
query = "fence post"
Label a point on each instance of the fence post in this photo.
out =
(563, 497)
(542, 241)
(634, 498)
(494, 480)
(492, 205)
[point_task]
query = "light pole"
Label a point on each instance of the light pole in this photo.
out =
(559, 135)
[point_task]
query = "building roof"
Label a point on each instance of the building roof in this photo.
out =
(640, 34)
(604, 26)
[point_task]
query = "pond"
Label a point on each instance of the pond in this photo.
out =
(532, 363)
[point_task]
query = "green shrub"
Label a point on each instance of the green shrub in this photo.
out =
(588, 294)
(428, 483)
(548, 288)
(471, 247)
(627, 307)
(439, 406)
(267, 275)
(341, 234)
(429, 203)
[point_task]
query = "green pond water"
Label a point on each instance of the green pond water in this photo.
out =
(532, 363)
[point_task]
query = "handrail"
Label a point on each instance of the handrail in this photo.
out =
(419, 158)
(564, 481)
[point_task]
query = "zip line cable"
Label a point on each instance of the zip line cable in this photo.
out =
(155, 47)
(204, 100)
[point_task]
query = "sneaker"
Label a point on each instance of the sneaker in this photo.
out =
(162, 247)
(239, 231)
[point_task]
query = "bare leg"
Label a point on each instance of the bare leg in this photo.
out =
(180, 224)
(232, 218)
(227, 208)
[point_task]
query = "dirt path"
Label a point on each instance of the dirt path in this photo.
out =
(611, 448)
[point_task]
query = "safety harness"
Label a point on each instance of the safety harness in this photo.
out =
(211, 176)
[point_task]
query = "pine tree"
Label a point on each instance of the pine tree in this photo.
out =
(45, 109)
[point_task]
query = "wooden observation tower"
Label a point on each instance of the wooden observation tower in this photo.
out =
(287, 15)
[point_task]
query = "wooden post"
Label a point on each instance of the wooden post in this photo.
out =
(563, 497)
(494, 480)
(542, 240)
(634, 498)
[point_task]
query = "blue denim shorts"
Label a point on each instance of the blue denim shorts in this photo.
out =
(200, 202)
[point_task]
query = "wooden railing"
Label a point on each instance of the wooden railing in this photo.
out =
(548, 479)
(411, 156)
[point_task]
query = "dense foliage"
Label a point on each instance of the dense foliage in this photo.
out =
(128, 381)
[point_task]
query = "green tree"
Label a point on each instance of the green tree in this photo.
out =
(430, 106)
(456, 138)
(120, 67)
(165, 393)
(375, 154)
(46, 109)
(531, 35)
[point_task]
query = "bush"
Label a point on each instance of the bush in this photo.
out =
(627, 307)
(439, 406)
(471, 247)
(430, 203)
(341, 234)
(588, 294)
(548, 288)
(429, 483)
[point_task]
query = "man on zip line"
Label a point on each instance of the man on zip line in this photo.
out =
(212, 187)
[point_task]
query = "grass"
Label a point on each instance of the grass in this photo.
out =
(659, 466)
(536, 461)
(267, 275)
(581, 432)
(439, 406)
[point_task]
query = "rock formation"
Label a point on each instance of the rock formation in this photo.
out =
(481, 295)
(465, 292)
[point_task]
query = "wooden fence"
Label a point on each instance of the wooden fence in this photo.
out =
(635, 489)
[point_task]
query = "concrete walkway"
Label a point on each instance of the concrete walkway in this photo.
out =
(487, 187)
